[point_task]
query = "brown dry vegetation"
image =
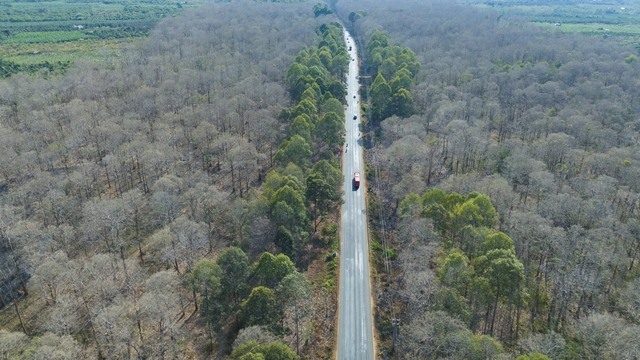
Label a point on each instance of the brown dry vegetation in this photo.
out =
(546, 125)
(116, 182)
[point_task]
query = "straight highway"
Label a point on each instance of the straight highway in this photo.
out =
(355, 330)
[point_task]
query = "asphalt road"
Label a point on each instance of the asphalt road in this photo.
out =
(355, 330)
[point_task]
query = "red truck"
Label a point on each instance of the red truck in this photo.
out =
(356, 179)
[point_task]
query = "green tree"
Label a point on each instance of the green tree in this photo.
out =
(434, 196)
(401, 103)
(326, 57)
(293, 171)
(471, 239)
(252, 356)
(505, 274)
(296, 150)
(294, 290)
(330, 129)
(332, 105)
(301, 126)
(271, 269)
(288, 208)
(631, 59)
(302, 84)
(402, 81)
(296, 71)
(235, 267)
(380, 95)
(533, 356)
(480, 297)
(339, 65)
(278, 178)
(262, 308)
(476, 212)
(337, 90)
(273, 351)
(453, 200)
(376, 61)
(310, 94)
(306, 106)
(316, 67)
(439, 215)
(284, 240)
(495, 241)
(322, 195)
(204, 280)
(409, 204)
(388, 67)
(455, 272)
(482, 347)
(454, 304)
(331, 174)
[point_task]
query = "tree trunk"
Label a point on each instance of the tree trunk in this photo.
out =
(195, 300)
(297, 333)
(15, 305)
(495, 310)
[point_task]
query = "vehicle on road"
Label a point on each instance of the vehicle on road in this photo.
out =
(356, 179)
(354, 96)
(355, 117)
(349, 48)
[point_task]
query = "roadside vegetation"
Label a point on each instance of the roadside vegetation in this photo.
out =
(507, 194)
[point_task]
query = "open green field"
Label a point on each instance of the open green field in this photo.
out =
(95, 49)
(41, 33)
(597, 29)
(619, 19)
(36, 37)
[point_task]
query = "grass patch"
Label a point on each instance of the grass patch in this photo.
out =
(37, 37)
(54, 34)
(95, 50)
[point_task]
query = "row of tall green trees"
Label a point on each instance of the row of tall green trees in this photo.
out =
(393, 68)
(297, 196)
(309, 175)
